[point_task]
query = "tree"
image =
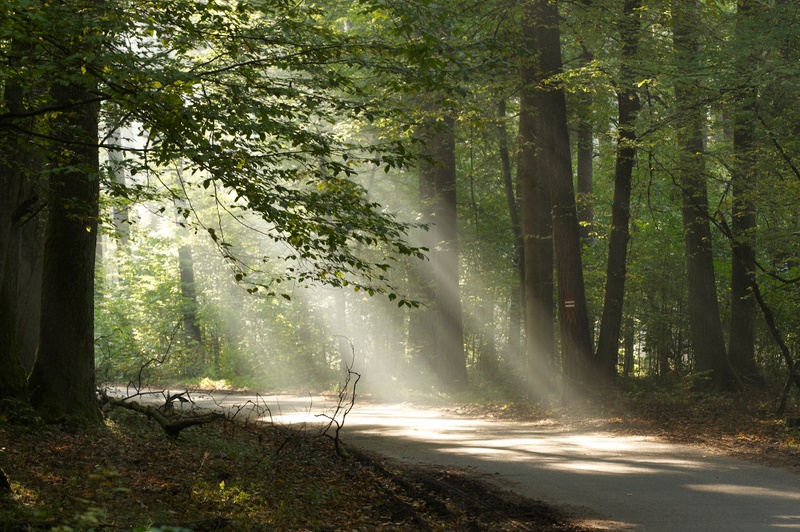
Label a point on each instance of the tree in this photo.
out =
(517, 294)
(167, 70)
(743, 209)
(441, 172)
(62, 382)
(708, 342)
(556, 166)
(537, 224)
(628, 106)
(13, 383)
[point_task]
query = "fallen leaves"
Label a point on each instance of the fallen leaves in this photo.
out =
(131, 476)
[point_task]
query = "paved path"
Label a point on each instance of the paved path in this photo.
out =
(613, 482)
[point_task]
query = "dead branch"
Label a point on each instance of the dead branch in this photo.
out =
(343, 407)
(172, 425)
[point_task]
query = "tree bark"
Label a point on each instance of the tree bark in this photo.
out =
(13, 383)
(445, 259)
(628, 106)
(120, 214)
(708, 342)
(556, 167)
(537, 230)
(585, 169)
(743, 212)
(62, 382)
(438, 182)
(517, 295)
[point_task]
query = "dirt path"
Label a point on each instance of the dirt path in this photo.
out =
(611, 481)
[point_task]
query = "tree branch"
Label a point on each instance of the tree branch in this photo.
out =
(172, 426)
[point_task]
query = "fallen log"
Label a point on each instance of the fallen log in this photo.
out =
(172, 425)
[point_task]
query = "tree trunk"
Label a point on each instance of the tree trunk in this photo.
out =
(585, 169)
(29, 276)
(120, 214)
(421, 321)
(515, 311)
(537, 231)
(628, 344)
(62, 382)
(444, 258)
(628, 106)
(743, 215)
(708, 342)
(189, 293)
(13, 383)
(556, 167)
(437, 174)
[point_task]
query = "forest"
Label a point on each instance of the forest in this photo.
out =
(540, 199)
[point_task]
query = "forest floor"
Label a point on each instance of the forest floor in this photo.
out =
(129, 476)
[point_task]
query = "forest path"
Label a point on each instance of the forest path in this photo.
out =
(609, 481)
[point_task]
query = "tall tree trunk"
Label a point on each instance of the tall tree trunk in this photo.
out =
(515, 311)
(445, 259)
(421, 321)
(743, 215)
(556, 167)
(438, 194)
(537, 230)
(13, 383)
(62, 382)
(29, 272)
(628, 106)
(708, 342)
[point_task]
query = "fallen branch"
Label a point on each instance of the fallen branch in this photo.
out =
(343, 407)
(172, 425)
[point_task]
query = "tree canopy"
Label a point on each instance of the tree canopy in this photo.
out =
(623, 172)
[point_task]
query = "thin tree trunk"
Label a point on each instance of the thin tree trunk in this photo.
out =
(585, 201)
(189, 293)
(708, 342)
(515, 312)
(120, 214)
(556, 167)
(628, 344)
(628, 106)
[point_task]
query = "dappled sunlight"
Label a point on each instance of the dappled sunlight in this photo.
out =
(611, 468)
(744, 491)
(613, 475)
(600, 443)
(787, 521)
